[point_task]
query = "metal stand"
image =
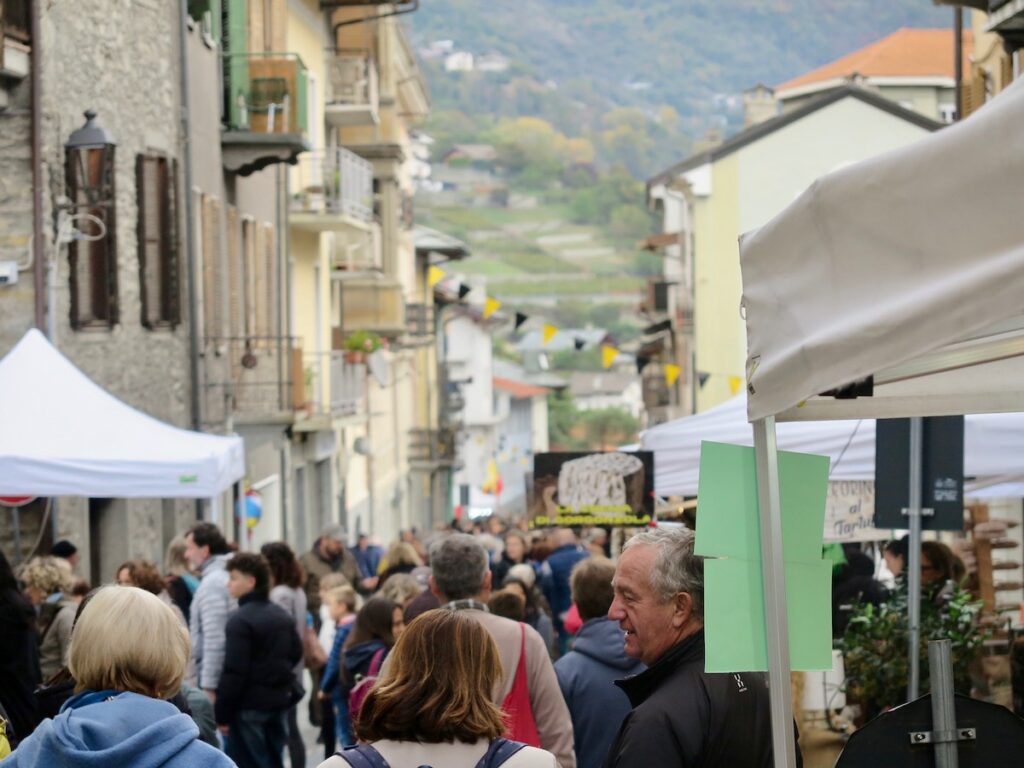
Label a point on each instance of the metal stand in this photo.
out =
(774, 577)
(944, 730)
(914, 559)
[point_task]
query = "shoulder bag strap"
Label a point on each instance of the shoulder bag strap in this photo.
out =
(376, 663)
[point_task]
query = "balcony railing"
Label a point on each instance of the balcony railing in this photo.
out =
(266, 93)
(348, 386)
(436, 447)
(352, 96)
(334, 181)
(251, 377)
(372, 303)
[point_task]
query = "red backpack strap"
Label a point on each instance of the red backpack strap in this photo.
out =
(376, 663)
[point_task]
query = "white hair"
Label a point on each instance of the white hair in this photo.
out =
(676, 568)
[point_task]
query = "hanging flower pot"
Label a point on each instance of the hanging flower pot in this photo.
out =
(355, 356)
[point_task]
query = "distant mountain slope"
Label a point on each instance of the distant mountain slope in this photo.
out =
(652, 52)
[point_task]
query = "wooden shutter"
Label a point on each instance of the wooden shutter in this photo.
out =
(214, 284)
(236, 328)
(259, 281)
(272, 280)
(156, 190)
(249, 270)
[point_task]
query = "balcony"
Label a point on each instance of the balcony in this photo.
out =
(1007, 18)
(254, 379)
(431, 449)
(371, 302)
(266, 110)
(353, 96)
(332, 388)
(333, 192)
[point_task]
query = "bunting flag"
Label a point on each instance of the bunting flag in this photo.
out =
(672, 374)
(702, 378)
(547, 334)
(642, 361)
(490, 307)
(434, 276)
(735, 382)
(579, 343)
(608, 355)
(520, 319)
(464, 290)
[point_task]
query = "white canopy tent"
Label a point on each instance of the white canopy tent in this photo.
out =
(993, 448)
(63, 435)
(909, 268)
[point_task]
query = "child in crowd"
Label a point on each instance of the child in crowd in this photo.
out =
(341, 604)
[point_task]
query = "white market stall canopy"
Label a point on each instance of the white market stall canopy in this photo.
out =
(63, 435)
(908, 264)
(993, 448)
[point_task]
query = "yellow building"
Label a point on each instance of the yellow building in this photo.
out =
(711, 198)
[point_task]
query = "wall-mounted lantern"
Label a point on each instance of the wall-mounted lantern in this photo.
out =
(90, 163)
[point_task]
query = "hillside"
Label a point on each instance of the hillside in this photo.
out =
(572, 60)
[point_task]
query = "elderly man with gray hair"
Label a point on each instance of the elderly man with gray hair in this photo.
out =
(682, 715)
(529, 693)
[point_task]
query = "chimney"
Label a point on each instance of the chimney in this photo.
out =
(759, 104)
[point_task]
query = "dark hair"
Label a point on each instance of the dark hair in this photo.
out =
(253, 565)
(591, 583)
(899, 547)
(284, 568)
(7, 578)
(439, 685)
(941, 558)
(373, 622)
(507, 604)
(209, 535)
(144, 575)
(535, 602)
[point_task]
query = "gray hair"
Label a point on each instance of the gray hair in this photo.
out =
(459, 564)
(676, 568)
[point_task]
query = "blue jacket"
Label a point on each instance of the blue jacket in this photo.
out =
(556, 589)
(329, 682)
(94, 731)
(586, 676)
(368, 559)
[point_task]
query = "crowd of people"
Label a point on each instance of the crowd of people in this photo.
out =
(481, 646)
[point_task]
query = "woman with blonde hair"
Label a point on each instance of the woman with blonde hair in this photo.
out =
(128, 654)
(433, 705)
(401, 558)
(47, 583)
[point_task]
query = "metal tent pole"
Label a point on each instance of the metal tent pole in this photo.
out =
(914, 560)
(944, 730)
(774, 577)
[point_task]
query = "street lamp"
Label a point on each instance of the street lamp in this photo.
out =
(89, 152)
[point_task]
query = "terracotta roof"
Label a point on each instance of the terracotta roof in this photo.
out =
(904, 53)
(518, 389)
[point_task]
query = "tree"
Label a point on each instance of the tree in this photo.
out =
(608, 428)
(630, 222)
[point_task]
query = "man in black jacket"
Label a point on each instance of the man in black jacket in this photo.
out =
(682, 716)
(257, 684)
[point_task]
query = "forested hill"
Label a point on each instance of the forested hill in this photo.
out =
(572, 60)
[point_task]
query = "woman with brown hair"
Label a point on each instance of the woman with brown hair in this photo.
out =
(144, 575)
(434, 706)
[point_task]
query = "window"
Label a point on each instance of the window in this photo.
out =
(15, 19)
(92, 255)
(159, 283)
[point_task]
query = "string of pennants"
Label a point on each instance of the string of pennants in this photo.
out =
(609, 354)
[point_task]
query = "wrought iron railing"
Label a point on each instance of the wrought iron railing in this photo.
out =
(334, 181)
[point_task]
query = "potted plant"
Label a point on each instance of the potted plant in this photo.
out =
(360, 344)
(876, 638)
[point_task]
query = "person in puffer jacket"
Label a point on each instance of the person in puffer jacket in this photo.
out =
(128, 653)
(586, 674)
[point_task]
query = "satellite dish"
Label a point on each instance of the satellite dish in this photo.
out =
(380, 367)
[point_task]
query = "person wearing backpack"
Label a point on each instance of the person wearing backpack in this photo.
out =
(433, 707)
(378, 625)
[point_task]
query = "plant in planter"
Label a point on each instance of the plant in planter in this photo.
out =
(875, 645)
(360, 344)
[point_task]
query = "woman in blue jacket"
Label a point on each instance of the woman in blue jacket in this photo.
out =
(128, 654)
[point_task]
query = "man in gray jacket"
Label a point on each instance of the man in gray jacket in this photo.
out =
(461, 580)
(207, 552)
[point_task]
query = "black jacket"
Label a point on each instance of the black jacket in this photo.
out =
(19, 662)
(684, 717)
(261, 651)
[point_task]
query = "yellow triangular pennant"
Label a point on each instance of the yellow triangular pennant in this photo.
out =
(608, 355)
(735, 382)
(548, 334)
(672, 374)
(434, 276)
(490, 307)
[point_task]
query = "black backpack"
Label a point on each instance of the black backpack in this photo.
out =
(365, 756)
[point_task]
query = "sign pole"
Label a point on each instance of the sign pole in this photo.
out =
(774, 577)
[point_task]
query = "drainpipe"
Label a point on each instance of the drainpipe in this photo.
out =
(38, 241)
(190, 244)
(958, 64)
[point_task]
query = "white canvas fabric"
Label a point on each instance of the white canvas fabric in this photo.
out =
(63, 435)
(888, 259)
(993, 448)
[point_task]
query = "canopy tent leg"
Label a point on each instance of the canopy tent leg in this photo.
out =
(774, 576)
(914, 511)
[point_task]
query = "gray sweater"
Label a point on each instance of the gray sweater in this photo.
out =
(293, 600)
